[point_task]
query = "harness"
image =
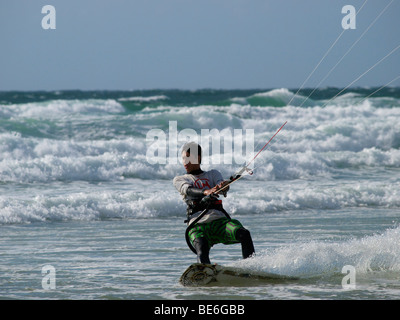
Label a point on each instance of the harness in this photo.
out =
(194, 206)
(205, 204)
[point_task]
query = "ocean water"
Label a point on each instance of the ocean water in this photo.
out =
(88, 209)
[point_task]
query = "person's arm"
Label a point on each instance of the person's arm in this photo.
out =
(185, 189)
(195, 193)
(181, 184)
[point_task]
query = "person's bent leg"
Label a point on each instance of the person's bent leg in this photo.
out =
(244, 237)
(202, 249)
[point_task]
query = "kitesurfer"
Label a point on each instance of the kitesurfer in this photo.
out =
(199, 190)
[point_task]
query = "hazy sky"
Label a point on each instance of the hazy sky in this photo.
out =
(194, 44)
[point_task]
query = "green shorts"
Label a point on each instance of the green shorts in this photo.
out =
(218, 231)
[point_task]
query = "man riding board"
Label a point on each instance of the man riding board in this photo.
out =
(200, 190)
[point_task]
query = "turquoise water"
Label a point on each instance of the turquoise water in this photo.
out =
(79, 192)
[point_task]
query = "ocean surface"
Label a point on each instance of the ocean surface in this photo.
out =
(88, 209)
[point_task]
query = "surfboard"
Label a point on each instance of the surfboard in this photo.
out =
(199, 274)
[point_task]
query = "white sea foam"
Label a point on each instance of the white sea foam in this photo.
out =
(144, 99)
(89, 202)
(268, 198)
(61, 108)
(95, 141)
(297, 153)
(379, 252)
(33, 159)
(138, 198)
(274, 98)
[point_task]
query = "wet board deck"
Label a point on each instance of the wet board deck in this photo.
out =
(199, 274)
